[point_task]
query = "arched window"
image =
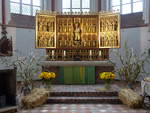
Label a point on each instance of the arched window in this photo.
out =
(25, 7)
(127, 6)
(75, 5)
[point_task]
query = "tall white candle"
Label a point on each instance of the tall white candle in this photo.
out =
(100, 53)
(52, 52)
(132, 51)
(90, 52)
(64, 53)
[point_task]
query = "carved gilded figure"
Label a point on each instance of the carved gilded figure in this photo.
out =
(77, 32)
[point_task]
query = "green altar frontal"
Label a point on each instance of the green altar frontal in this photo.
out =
(77, 75)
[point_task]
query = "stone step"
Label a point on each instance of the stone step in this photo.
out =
(8, 109)
(83, 94)
(96, 100)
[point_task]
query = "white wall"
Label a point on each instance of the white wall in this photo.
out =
(132, 35)
(145, 38)
(138, 39)
(25, 41)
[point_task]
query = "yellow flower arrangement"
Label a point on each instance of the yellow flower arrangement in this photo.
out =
(47, 75)
(107, 75)
(47, 78)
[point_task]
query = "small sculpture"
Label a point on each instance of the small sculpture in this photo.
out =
(77, 32)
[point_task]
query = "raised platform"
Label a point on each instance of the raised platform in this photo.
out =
(83, 94)
(75, 63)
(8, 109)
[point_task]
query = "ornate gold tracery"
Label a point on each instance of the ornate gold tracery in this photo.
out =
(70, 34)
(101, 30)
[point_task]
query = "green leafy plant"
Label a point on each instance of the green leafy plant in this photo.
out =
(129, 65)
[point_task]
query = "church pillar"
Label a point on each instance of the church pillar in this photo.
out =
(53, 5)
(105, 5)
(4, 32)
(99, 5)
(146, 11)
(3, 13)
(149, 13)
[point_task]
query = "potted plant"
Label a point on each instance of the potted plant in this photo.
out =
(129, 65)
(27, 69)
(107, 77)
(47, 77)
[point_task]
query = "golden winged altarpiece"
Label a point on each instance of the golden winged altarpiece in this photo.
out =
(77, 36)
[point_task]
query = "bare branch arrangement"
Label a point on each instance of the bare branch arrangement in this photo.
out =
(130, 65)
(27, 68)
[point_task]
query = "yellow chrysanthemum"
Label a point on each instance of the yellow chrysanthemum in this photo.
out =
(47, 75)
(107, 75)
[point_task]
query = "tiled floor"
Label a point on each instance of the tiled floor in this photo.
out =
(84, 108)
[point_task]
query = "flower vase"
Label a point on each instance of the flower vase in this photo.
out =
(129, 85)
(107, 85)
(47, 85)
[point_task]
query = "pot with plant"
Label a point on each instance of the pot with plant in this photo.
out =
(47, 78)
(107, 77)
(27, 68)
(129, 65)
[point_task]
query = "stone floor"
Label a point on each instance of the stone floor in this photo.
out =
(116, 86)
(80, 88)
(89, 88)
(84, 108)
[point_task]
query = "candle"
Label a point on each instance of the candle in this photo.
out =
(64, 53)
(132, 51)
(100, 53)
(90, 52)
(52, 52)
